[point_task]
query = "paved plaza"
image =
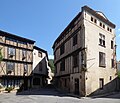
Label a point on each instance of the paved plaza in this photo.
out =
(53, 96)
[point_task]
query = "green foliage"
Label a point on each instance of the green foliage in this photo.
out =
(51, 64)
(1, 57)
(118, 74)
(9, 89)
(1, 87)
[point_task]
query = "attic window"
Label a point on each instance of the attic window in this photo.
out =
(108, 28)
(95, 21)
(40, 54)
(103, 26)
(100, 24)
(91, 18)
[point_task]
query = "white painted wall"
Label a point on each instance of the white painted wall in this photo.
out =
(95, 72)
(37, 60)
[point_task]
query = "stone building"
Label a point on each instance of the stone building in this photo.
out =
(85, 55)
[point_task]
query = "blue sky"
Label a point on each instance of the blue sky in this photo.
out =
(44, 20)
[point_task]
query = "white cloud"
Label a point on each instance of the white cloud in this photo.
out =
(50, 56)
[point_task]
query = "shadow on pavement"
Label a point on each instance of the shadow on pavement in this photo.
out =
(49, 90)
(114, 95)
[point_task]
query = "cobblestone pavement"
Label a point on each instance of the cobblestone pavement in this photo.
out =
(52, 96)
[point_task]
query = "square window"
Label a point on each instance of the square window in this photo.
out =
(75, 60)
(11, 52)
(110, 30)
(62, 49)
(75, 40)
(112, 44)
(112, 63)
(101, 83)
(10, 67)
(39, 54)
(95, 21)
(101, 39)
(100, 24)
(91, 18)
(103, 26)
(102, 59)
(62, 65)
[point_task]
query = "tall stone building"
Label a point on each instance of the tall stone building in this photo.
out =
(85, 55)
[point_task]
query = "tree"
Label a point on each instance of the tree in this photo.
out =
(51, 64)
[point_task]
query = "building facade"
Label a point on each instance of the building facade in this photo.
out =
(16, 64)
(85, 55)
(40, 67)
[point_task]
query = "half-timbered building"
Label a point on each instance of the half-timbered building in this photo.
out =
(17, 60)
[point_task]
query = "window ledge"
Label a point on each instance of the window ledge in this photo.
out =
(102, 66)
(102, 45)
